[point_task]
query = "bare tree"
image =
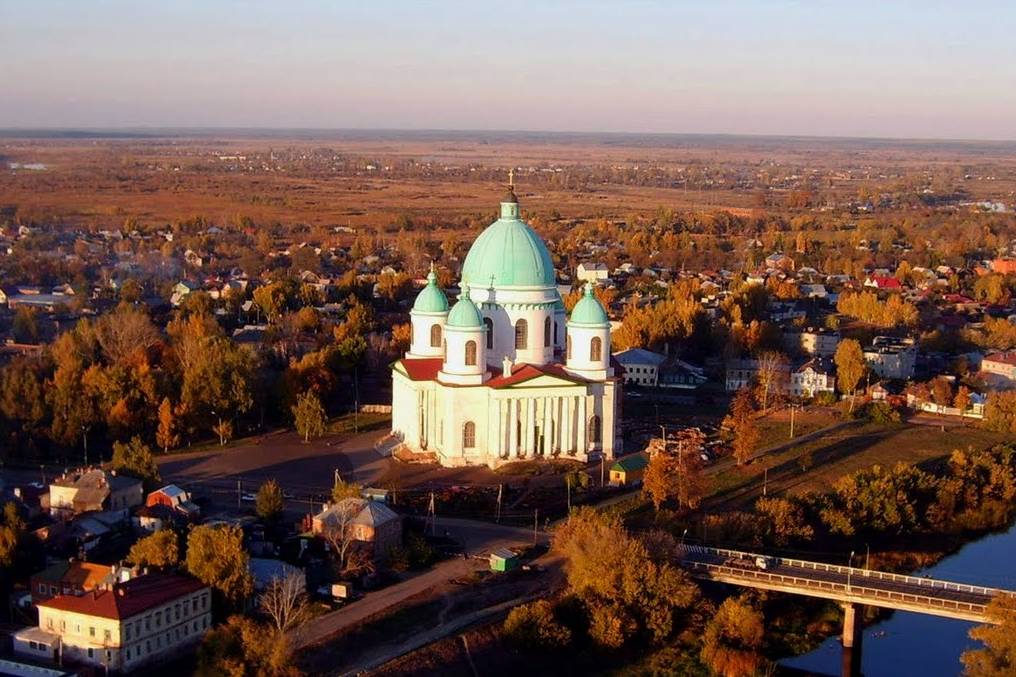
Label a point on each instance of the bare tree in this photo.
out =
(773, 377)
(285, 602)
(339, 531)
(124, 331)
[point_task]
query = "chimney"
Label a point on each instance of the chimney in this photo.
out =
(506, 367)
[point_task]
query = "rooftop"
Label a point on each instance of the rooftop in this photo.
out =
(128, 599)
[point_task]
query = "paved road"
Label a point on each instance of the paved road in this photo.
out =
(478, 539)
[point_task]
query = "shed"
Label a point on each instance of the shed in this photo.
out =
(629, 470)
(503, 560)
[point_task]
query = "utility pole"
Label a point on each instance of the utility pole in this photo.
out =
(497, 517)
(867, 555)
(238, 492)
(84, 440)
(536, 523)
(765, 481)
(567, 482)
(793, 408)
(603, 460)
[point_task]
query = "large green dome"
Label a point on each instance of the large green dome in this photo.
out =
(431, 299)
(508, 254)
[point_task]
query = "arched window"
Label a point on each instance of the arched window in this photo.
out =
(469, 435)
(596, 349)
(521, 331)
(470, 353)
(546, 332)
(435, 335)
(595, 430)
(567, 347)
(489, 324)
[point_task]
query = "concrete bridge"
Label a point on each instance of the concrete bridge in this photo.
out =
(851, 586)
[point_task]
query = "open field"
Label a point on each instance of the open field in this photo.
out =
(371, 179)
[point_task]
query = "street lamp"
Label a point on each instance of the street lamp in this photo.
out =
(682, 537)
(867, 556)
(850, 568)
(84, 440)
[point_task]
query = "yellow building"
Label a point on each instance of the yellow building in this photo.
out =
(123, 627)
(629, 470)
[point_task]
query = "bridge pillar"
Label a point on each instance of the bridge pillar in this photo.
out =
(852, 637)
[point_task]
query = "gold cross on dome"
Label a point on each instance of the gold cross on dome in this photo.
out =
(511, 177)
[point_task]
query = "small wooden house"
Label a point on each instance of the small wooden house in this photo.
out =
(629, 470)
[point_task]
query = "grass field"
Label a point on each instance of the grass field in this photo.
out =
(813, 466)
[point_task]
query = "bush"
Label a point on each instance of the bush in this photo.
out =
(534, 628)
(883, 413)
(826, 399)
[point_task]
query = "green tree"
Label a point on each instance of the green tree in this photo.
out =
(216, 557)
(533, 627)
(343, 490)
(135, 458)
(784, 520)
(850, 367)
(12, 526)
(25, 327)
(309, 415)
(733, 638)
(160, 550)
(269, 501)
(998, 657)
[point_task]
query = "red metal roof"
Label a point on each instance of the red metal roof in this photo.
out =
(427, 368)
(423, 368)
(128, 599)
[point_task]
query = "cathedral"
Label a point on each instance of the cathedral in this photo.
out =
(504, 374)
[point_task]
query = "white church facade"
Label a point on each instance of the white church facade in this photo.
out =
(503, 375)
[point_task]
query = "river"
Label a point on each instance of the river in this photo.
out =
(917, 644)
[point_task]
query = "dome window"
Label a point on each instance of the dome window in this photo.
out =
(470, 353)
(435, 335)
(595, 349)
(595, 430)
(469, 435)
(521, 330)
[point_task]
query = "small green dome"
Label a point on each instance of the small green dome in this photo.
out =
(431, 299)
(508, 254)
(465, 314)
(588, 310)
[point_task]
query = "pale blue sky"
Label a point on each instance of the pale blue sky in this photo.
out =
(818, 67)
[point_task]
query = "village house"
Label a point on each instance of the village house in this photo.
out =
(68, 578)
(123, 627)
(628, 471)
(371, 524)
(597, 273)
(999, 370)
(91, 490)
(813, 377)
(817, 341)
(640, 366)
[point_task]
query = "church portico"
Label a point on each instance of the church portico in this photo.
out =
(497, 390)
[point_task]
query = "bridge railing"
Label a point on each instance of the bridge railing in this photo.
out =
(930, 583)
(892, 597)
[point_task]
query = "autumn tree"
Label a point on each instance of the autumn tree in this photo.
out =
(783, 520)
(12, 526)
(125, 331)
(216, 557)
(1000, 411)
(675, 470)
(744, 426)
(998, 657)
(135, 458)
(269, 504)
(160, 550)
(343, 490)
(962, 399)
(25, 326)
(733, 638)
(166, 436)
(242, 647)
(850, 367)
(309, 416)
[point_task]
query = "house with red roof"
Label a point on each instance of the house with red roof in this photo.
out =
(122, 627)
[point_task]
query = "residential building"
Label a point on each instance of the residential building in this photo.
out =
(597, 273)
(93, 489)
(890, 357)
(675, 373)
(999, 370)
(741, 373)
(175, 498)
(69, 578)
(505, 374)
(640, 367)
(123, 627)
(817, 341)
(373, 525)
(813, 377)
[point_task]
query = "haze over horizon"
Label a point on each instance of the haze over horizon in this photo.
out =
(903, 69)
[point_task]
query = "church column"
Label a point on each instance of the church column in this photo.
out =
(548, 427)
(500, 428)
(566, 424)
(513, 427)
(582, 426)
(530, 426)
